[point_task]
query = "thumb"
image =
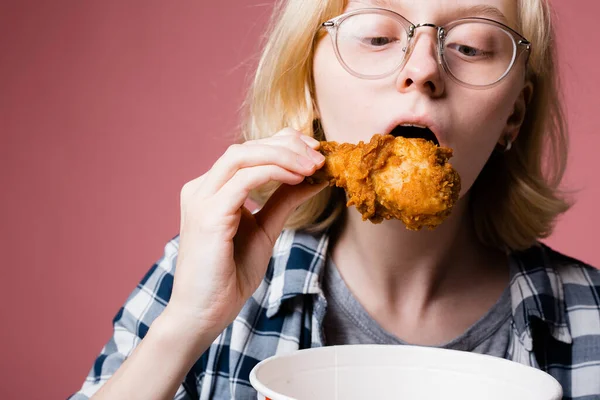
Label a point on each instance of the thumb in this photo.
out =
(280, 205)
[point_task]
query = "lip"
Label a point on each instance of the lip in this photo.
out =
(416, 120)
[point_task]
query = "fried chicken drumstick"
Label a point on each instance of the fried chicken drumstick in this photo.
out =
(393, 177)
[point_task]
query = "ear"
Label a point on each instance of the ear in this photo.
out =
(516, 118)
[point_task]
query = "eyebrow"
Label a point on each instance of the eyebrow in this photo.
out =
(382, 3)
(480, 10)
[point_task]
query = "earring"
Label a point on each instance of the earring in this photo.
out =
(508, 145)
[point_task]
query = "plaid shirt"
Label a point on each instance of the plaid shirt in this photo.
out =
(555, 323)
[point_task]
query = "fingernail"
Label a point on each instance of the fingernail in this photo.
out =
(309, 141)
(316, 156)
(305, 162)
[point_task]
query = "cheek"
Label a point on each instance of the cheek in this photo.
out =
(476, 130)
(341, 100)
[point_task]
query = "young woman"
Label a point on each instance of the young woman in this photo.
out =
(235, 287)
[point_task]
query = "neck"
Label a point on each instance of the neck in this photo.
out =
(425, 287)
(391, 262)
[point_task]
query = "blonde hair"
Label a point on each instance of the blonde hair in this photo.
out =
(516, 198)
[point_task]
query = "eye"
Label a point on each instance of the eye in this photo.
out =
(379, 41)
(468, 51)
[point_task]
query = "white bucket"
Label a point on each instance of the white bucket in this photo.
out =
(398, 372)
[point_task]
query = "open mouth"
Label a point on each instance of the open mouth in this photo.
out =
(413, 132)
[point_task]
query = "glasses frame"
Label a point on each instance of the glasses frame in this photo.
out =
(520, 44)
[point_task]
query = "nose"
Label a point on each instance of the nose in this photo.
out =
(421, 70)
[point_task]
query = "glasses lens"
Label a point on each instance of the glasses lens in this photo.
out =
(478, 53)
(372, 44)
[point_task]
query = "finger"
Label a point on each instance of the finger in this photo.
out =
(288, 134)
(235, 192)
(300, 145)
(282, 203)
(238, 157)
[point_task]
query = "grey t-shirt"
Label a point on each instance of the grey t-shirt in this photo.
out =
(347, 322)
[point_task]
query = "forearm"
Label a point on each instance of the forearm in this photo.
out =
(159, 363)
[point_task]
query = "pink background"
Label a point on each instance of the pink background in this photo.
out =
(106, 110)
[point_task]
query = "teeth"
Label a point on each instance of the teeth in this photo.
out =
(415, 125)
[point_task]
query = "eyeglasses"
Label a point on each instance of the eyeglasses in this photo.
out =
(373, 43)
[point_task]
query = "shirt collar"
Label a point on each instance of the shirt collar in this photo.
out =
(536, 288)
(297, 265)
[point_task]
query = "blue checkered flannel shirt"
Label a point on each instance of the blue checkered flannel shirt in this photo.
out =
(555, 321)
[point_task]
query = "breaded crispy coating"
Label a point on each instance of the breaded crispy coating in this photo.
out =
(393, 177)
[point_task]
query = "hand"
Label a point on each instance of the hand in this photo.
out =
(224, 249)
